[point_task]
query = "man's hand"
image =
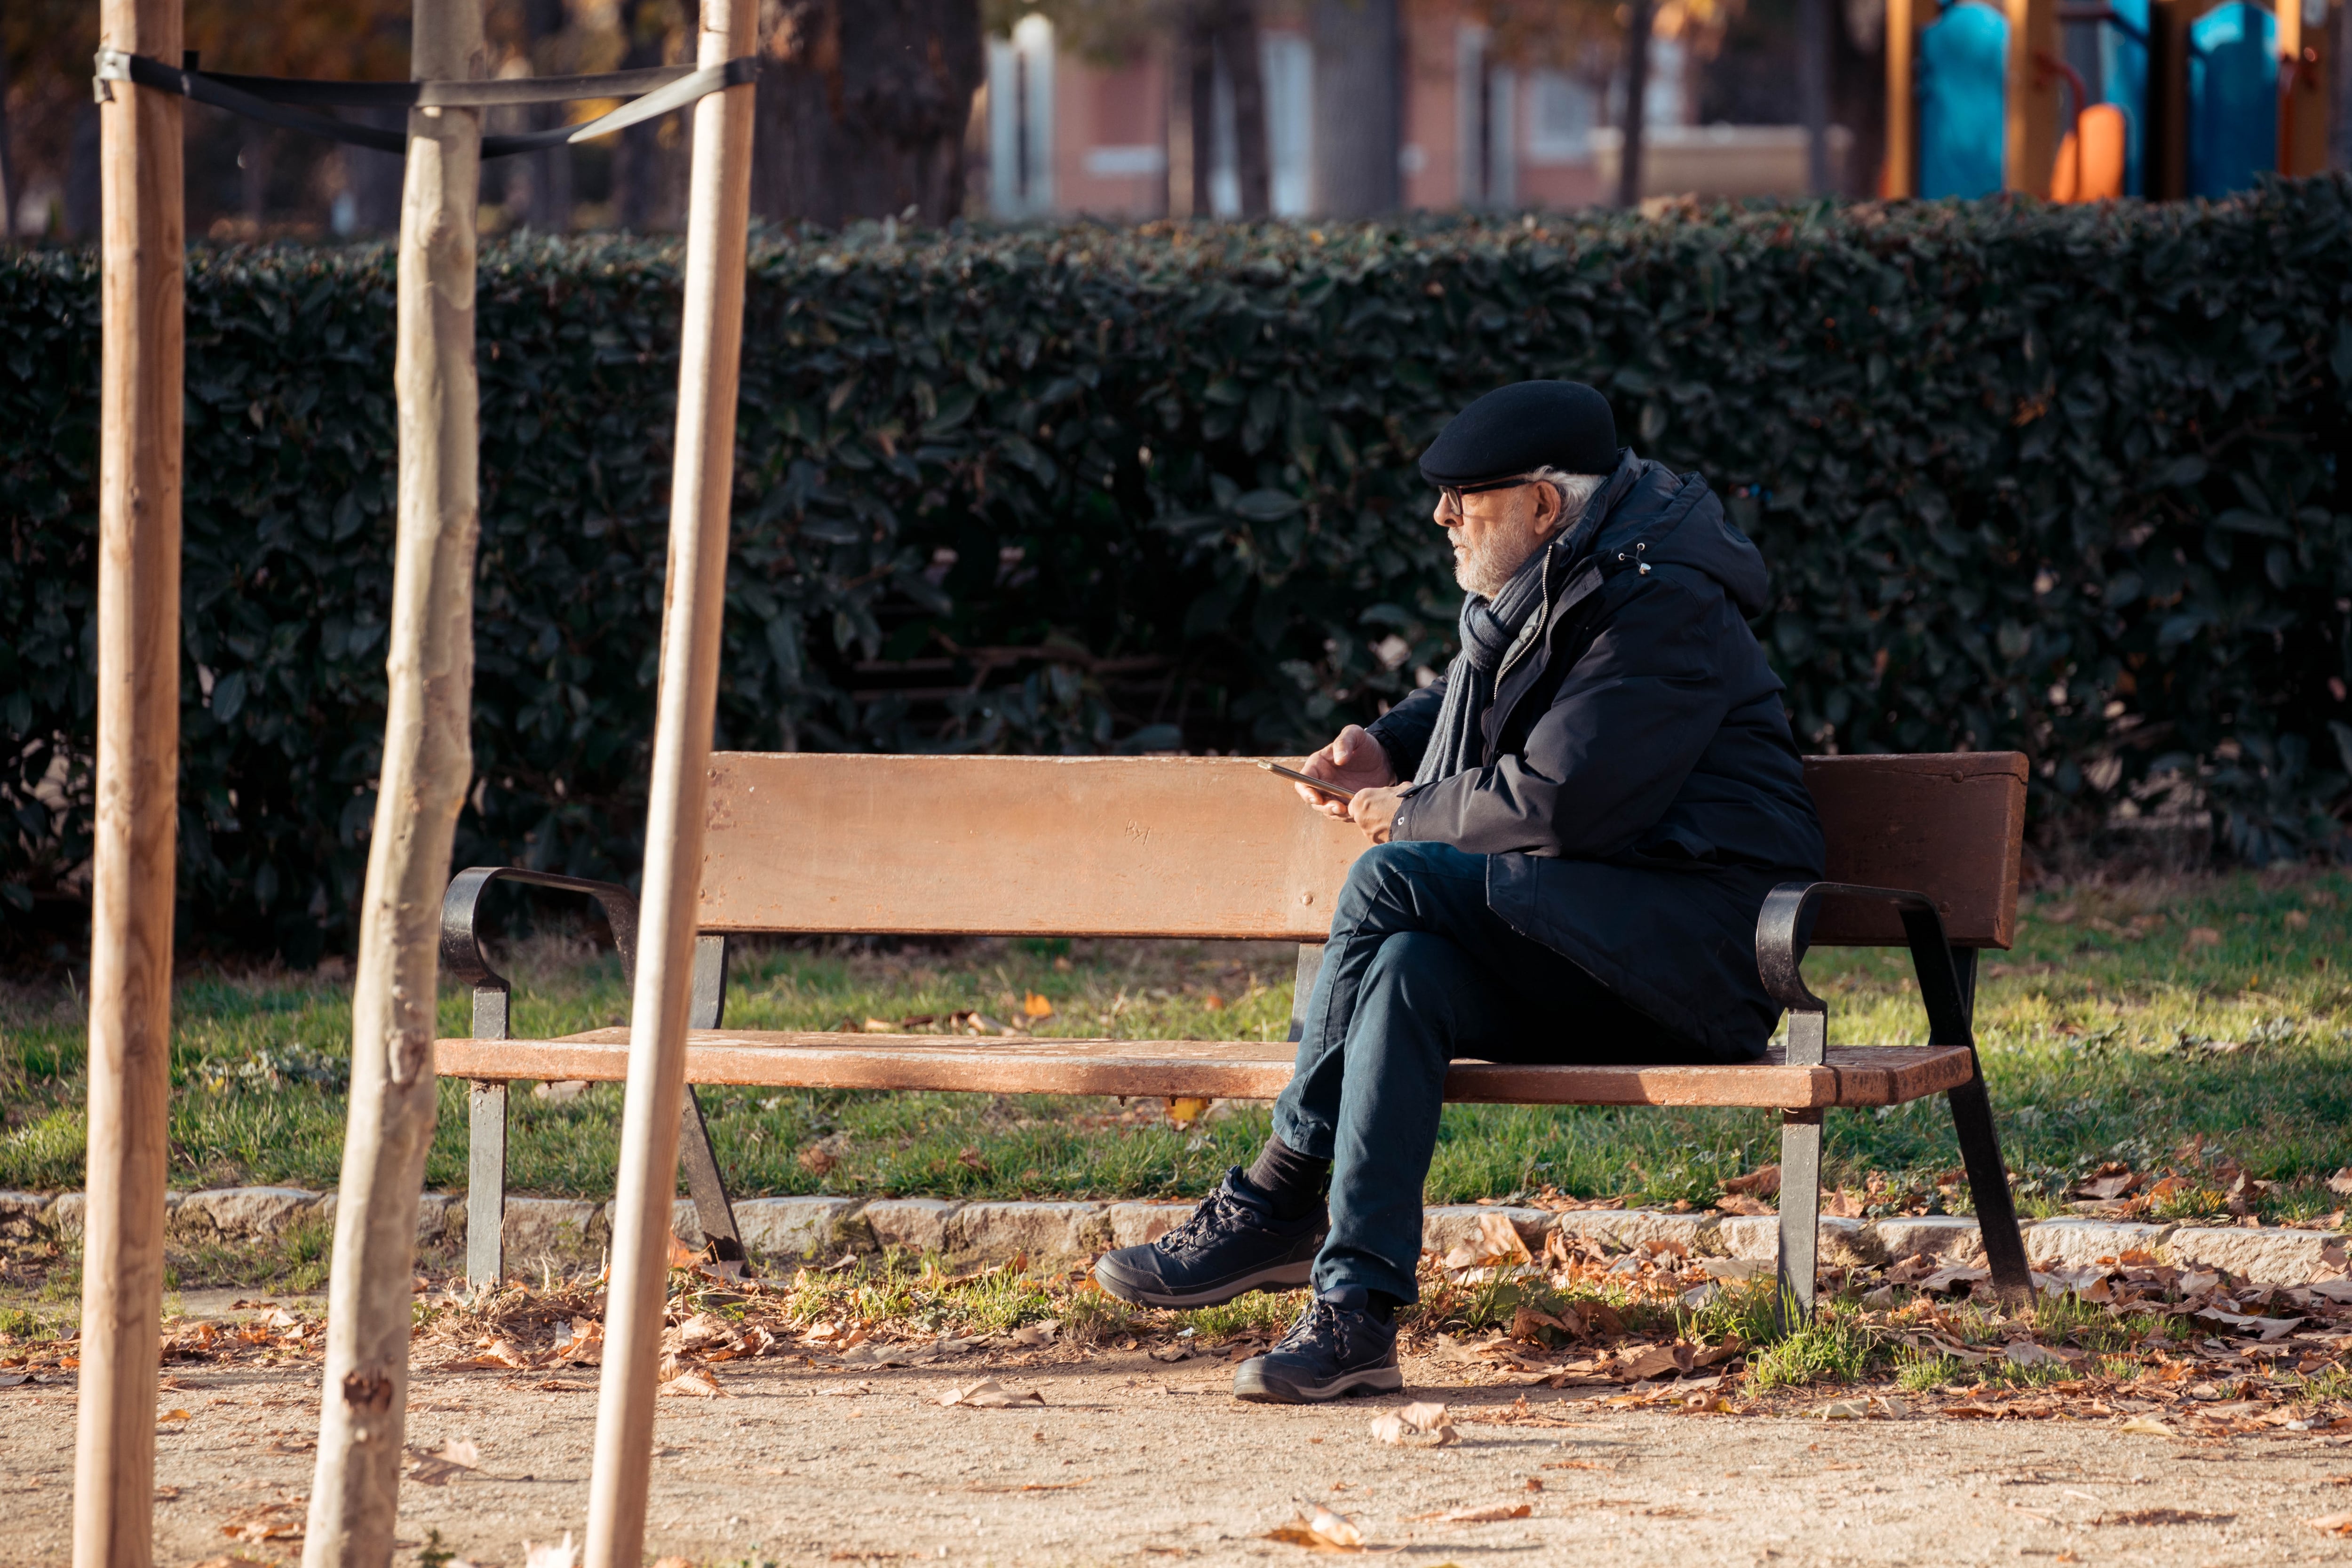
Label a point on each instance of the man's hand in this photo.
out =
(1354, 762)
(1374, 811)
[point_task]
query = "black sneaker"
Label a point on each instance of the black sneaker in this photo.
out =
(1339, 1346)
(1232, 1245)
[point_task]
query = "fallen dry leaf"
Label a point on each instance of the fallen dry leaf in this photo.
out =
(2202, 936)
(582, 1341)
(989, 1395)
(496, 1356)
(1526, 1321)
(1741, 1203)
(458, 1456)
(696, 1386)
(2025, 1353)
(1761, 1183)
(1421, 1426)
(550, 1553)
(1499, 1238)
(1323, 1532)
(1035, 1006)
(1658, 1361)
(2333, 1524)
(705, 1330)
(2165, 1516)
(2264, 1328)
(1038, 1333)
(2147, 1427)
(1184, 1110)
(271, 1522)
(1489, 1515)
(1845, 1410)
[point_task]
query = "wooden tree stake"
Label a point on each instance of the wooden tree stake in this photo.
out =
(428, 764)
(711, 333)
(143, 243)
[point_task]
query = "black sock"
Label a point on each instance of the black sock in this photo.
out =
(1292, 1180)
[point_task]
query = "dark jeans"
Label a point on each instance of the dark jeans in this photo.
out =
(1419, 972)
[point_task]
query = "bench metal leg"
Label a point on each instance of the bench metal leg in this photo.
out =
(1801, 1216)
(486, 1184)
(712, 1208)
(1801, 1176)
(2005, 1244)
(1310, 966)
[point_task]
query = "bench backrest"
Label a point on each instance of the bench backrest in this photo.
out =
(1214, 847)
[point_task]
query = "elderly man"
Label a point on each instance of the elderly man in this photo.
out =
(1603, 790)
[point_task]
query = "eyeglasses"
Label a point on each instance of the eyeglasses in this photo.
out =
(1449, 497)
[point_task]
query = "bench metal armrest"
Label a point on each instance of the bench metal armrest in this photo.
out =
(461, 944)
(1779, 951)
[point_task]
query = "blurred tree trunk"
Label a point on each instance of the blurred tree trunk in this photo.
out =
(1813, 92)
(1640, 17)
(1201, 103)
(636, 156)
(863, 109)
(550, 211)
(1857, 92)
(1222, 36)
(1359, 107)
(7, 164)
(82, 203)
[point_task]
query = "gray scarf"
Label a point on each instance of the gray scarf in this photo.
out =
(1494, 632)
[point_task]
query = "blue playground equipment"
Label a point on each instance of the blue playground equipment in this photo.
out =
(2234, 81)
(2157, 98)
(1963, 73)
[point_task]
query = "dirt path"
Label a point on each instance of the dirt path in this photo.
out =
(1129, 1460)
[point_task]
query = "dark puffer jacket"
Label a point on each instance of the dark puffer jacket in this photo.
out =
(1640, 791)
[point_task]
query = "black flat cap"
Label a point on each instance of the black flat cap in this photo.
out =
(1523, 426)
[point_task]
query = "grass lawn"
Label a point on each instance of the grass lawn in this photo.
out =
(2130, 1019)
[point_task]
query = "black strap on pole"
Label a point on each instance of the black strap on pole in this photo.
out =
(269, 98)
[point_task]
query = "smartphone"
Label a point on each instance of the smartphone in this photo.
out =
(1320, 786)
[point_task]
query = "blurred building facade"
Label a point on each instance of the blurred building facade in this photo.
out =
(1061, 133)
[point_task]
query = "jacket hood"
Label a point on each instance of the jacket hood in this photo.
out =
(1649, 514)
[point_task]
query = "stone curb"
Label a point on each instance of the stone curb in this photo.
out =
(549, 1231)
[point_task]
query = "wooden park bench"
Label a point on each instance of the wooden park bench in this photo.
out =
(1923, 852)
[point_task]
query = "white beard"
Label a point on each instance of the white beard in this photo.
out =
(1484, 572)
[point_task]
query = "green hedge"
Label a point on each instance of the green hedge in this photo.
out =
(2065, 479)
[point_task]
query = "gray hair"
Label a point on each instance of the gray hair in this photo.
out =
(1573, 490)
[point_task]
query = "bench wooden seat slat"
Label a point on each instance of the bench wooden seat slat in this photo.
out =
(1226, 1069)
